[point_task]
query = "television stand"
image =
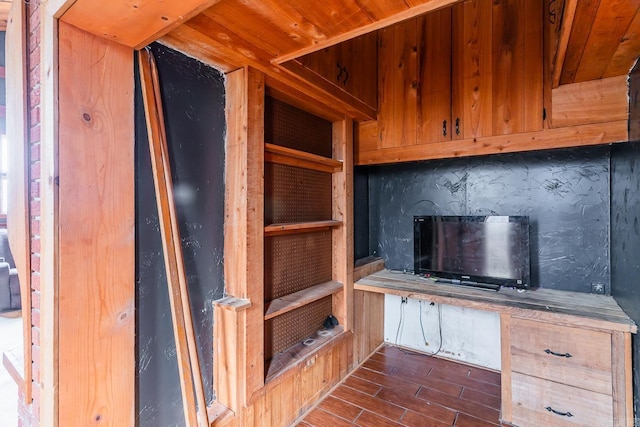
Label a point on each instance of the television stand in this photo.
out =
(567, 351)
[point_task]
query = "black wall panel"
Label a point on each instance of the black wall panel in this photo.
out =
(193, 102)
(361, 212)
(625, 225)
(564, 192)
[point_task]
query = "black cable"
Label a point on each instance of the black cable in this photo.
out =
(439, 329)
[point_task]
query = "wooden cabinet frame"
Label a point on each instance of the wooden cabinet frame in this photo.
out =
(239, 369)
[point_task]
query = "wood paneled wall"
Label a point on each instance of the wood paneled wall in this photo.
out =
(96, 361)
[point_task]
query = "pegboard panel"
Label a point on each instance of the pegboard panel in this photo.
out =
(294, 128)
(293, 262)
(294, 194)
(293, 327)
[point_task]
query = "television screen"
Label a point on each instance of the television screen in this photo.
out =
(473, 250)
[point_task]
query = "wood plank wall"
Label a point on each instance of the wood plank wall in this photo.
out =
(96, 370)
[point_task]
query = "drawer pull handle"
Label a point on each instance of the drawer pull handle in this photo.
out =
(567, 355)
(562, 414)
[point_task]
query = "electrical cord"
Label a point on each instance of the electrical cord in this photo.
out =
(424, 337)
(401, 321)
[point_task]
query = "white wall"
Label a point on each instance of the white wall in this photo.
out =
(468, 335)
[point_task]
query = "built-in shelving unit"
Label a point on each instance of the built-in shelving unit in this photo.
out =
(299, 234)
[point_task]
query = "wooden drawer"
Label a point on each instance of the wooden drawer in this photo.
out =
(532, 396)
(533, 345)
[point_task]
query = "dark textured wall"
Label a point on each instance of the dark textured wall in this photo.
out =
(565, 193)
(193, 100)
(625, 225)
(361, 212)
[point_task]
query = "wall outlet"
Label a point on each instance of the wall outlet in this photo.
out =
(597, 288)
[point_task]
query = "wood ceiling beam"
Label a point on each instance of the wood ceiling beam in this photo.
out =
(132, 23)
(567, 23)
(225, 56)
(428, 6)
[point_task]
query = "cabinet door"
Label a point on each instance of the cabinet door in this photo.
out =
(434, 92)
(517, 66)
(472, 68)
(352, 66)
(398, 81)
(497, 67)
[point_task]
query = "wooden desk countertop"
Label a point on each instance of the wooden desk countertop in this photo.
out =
(578, 309)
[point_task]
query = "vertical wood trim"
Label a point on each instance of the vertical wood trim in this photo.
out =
(457, 66)
(96, 231)
(343, 211)
(49, 280)
(628, 380)
(505, 348)
(532, 99)
(255, 233)
(622, 372)
(244, 225)
(18, 217)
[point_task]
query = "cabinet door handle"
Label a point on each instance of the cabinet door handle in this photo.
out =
(444, 128)
(567, 355)
(457, 125)
(562, 414)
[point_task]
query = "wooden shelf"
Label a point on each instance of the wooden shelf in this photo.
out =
(290, 157)
(298, 299)
(297, 353)
(299, 227)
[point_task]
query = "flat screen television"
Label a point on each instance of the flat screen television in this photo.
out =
(483, 251)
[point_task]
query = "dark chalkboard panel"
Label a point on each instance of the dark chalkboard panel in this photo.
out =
(625, 225)
(361, 212)
(193, 102)
(564, 192)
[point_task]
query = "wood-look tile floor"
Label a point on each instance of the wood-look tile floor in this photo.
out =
(395, 387)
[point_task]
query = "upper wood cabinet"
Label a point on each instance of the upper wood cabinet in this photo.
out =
(351, 66)
(471, 70)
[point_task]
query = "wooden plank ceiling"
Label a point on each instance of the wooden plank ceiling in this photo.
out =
(597, 38)
(602, 39)
(602, 36)
(233, 33)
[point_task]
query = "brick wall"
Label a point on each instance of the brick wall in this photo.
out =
(28, 412)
